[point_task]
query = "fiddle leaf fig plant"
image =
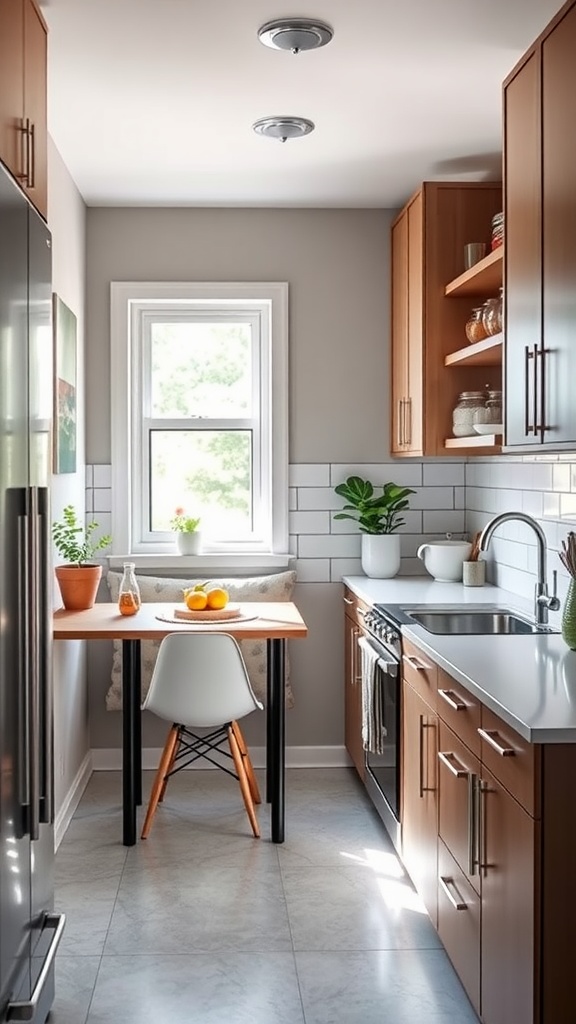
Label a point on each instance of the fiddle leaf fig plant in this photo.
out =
(74, 541)
(374, 512)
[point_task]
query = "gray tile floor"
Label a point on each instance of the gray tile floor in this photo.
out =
(202, 923)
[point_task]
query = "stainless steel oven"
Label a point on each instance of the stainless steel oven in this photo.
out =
(382, 745)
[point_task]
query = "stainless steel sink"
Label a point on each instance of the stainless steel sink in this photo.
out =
(478, 621)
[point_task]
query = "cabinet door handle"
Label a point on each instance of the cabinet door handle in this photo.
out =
(452, 700)
(355, 675)
(490, 735)
(448, 759)
(422, 783)
(456, 901)
(400, 422)
(420, 666)
(543, 427)
(408, 417)
(482, 790)
(24, 150)
(528, 428)
(535, 393)
(472, 830)
(347, 600)
(32, 158)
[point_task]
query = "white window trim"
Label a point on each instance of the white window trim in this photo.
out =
(123, 296)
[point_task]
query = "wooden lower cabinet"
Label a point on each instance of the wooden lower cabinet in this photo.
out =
(489, 840)
(420, 796)
(508, 843)
(459, 922)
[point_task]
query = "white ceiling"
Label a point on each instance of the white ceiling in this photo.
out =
(151, 102)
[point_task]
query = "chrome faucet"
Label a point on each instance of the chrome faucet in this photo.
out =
(542, 600)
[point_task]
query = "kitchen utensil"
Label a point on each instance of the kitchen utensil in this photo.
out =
(475, 550)
(443, 558)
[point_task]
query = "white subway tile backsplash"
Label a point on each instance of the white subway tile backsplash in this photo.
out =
(310, 522)
(561, 477)
(443, 474)
(330, 546)
(102, 499)
(313, 570)
(312, 498)
(532, 503)
(292, 499)
(89, 476)
(102, 476)
(568, 507)
(309, 475)
(340, 567)
(444, 521)
(407, 474)
(432, 497)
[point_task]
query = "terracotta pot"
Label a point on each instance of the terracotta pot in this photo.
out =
(78, 585)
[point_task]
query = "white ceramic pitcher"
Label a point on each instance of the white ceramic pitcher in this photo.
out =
(443, 558)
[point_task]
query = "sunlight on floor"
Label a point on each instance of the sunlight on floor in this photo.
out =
(395, 888)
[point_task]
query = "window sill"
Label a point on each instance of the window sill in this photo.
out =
(193, 564)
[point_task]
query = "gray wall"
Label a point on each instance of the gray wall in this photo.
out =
(66, 218)
(337, 265)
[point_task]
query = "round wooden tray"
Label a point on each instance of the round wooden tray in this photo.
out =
(231, 611)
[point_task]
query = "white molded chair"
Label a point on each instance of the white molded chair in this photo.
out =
(200, 682)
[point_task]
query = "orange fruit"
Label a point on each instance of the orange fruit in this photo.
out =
(196, 600)
(217, 598)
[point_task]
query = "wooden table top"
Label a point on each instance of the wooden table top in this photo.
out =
(272, 621)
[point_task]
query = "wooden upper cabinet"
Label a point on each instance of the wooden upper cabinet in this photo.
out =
(428, 239)
(23, 119)
(540, 268)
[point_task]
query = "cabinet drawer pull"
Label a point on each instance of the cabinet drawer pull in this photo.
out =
(348, 600)
(456, 901)
(420, 666)
(452, 700)
(490, 736)
(408, 420)
(448, 759)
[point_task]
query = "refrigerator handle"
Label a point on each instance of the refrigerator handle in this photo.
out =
(34, 677)
(23, 611)
(27, 1010)
(45, 662)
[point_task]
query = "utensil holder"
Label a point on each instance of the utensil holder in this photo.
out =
(474, 574)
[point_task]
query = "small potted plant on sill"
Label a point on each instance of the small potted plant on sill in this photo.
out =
(188, 536)
(78, 578)
(379, 517)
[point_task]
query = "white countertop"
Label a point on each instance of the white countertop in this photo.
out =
(529, 680)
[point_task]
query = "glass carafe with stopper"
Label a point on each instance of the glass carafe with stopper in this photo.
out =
(129, 596)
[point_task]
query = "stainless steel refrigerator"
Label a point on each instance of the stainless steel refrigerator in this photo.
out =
(29, 930)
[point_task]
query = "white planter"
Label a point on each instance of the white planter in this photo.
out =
(380, 555)
(189, 543)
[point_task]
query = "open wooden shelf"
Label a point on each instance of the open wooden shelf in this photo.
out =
(491, 442)
(482, 353)
(484, 278)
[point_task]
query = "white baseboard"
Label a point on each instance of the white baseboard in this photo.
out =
(107, 759)
(72, 799)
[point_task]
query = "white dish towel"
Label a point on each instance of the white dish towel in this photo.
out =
(373, 728)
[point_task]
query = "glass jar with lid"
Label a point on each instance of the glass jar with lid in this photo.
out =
(494, 407)
(492, 315)
(469, 409)
(475, 329)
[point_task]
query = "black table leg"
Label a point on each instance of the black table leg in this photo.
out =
(130, 714)
(138, 728)
(275, 737)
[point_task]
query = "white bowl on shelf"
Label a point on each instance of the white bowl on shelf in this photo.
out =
(489, 428)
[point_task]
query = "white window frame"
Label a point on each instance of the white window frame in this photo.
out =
(130, 302)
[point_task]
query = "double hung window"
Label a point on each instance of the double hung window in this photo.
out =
(199, 377)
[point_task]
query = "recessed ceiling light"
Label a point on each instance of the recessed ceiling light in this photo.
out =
(282, 128)
(295, 34)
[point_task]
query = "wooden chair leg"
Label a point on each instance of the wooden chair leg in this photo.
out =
(243, 780)
(169, 769)
(159, 780)
(252, 780)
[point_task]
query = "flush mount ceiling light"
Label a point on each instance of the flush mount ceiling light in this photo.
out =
(295, 34)
(283, 128)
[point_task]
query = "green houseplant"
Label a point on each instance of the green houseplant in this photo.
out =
(78, 578)
(188, 537)
(379, 516)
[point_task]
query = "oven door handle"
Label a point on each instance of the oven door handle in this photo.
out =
(385, 661)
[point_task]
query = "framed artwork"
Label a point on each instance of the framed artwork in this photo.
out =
(65, 410)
